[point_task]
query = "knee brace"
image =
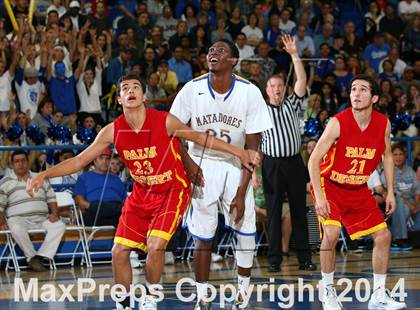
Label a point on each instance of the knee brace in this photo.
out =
(245, 250)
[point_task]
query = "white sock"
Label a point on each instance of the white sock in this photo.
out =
(243, 283)
(379, 281)
(201, 290)
(327, 278)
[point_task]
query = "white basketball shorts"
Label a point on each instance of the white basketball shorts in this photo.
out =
(222, 179)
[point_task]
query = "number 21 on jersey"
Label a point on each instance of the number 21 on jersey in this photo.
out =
(357, 166)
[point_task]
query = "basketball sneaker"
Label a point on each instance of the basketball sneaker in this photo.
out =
(148, 303)
(203, 305)
(118, 306)
(239, 303)
(331, 301)
(382, 299)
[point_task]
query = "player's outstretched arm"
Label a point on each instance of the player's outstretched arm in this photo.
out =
(176, 128)
(75, 164)
(329, 136)
(389, 172)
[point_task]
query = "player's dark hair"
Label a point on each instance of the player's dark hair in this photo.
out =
(131, 77)
(374, 87)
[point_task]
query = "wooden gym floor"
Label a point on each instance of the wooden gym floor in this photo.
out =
(404, 266)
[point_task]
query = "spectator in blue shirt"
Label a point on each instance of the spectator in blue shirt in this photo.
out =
(180, 6)
(304, 43)
(62, 89)
(127, 8)
(207, 9)
(343, 76)
(100, 193)
(118, 66)
(375, 52)
(181, 67)
(326, 36)
(325, 65)
(272, 31)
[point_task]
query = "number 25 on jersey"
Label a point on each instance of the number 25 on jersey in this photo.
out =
(224, 134)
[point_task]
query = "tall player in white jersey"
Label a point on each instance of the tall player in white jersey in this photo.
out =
(233, 109)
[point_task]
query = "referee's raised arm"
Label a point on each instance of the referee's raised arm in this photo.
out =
(290, 47)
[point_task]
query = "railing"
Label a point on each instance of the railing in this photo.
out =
(43, 147)
(408, 140)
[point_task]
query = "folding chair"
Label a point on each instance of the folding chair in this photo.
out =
(260, 237)
(93, 231)
(8, 253)
(65, 199)
(342, 238)
(187, 251)
(227, 243)
(16, 258)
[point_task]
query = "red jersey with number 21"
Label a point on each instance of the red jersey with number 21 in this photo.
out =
(152, 157)
(356, 153)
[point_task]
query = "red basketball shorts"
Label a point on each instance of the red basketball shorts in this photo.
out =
(356, 209)
(151, 214)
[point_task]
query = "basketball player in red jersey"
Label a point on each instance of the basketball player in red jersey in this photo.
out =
(347, 153)
(146, 141)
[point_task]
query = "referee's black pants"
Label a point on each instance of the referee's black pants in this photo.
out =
(286, 175)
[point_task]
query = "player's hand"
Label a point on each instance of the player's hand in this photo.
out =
(194, 173)
(390, 203)
(237, 207)
(322, 207)
(250, 159)
(33, 185)
(289, 44)
(255, 157)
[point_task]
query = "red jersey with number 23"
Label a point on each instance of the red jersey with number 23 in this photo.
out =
(356, 153)
(152, 156)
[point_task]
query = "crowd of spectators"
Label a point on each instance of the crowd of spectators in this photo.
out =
(58, 73)
(63, 66)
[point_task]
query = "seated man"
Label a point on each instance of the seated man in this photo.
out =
(100, 193)
(20, 212)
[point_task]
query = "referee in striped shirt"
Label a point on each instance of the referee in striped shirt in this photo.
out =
(283, 170)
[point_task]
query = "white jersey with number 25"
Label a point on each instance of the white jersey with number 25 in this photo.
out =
(230, 116)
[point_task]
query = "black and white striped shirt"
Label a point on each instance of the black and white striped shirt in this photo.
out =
(15, 201)
(283, 140)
